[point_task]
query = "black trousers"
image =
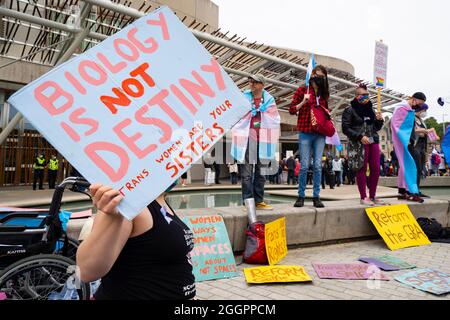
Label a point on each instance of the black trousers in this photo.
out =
(328, 178)
(38, 175)
(217, 175)
(419, 159)
(52, 178)
(291, 176)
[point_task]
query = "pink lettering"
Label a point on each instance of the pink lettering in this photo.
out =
(130, 141)
(91, 151)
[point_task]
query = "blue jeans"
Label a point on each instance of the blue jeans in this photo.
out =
(252, 180)
(316, 143)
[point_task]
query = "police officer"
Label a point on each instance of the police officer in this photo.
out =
(39, 166)
(53, 166)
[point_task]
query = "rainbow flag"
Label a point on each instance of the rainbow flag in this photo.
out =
(380, 82)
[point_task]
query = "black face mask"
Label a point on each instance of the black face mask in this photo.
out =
(320, 81)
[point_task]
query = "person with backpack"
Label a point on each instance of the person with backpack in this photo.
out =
(435, 162)
(314, 95)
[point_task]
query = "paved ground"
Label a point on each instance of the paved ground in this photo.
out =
(435, 256)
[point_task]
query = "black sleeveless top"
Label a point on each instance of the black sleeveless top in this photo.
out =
(155, 265)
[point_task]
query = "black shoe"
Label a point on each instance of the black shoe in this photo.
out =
(402, 196)
(299, 203)
(317, 203)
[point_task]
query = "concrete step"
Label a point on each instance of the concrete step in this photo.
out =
(339, 221)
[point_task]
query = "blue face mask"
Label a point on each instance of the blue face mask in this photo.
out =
(170, 188)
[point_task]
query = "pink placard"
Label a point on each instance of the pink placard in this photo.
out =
(433, 136)
(349, 271)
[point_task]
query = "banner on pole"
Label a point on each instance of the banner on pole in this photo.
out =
(380, 64)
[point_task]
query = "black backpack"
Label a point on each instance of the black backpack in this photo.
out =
(433, 229)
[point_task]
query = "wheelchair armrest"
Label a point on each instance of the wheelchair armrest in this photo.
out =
(12, 229)
(22, 215)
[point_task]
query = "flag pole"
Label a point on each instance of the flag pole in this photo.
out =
(379, 99)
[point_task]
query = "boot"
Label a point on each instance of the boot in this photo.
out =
(317, 203)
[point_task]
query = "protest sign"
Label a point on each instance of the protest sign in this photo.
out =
(428, 280)
(212, 256)
(137, 110)
(397, 226)
(432, 135)
(388, 263)
(275, 239)
(348, 271)
(379, 264)
(380, 64)
(276, 274)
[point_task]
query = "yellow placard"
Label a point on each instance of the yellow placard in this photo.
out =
(275, 238)
(397, 226)
(276, 274)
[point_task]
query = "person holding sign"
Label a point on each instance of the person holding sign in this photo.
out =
(146, 258)
(305, 98)
(255, 138)
(361, 125)
(402, 126)
(419, 138)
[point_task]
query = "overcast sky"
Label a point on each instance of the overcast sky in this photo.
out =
(416, 31)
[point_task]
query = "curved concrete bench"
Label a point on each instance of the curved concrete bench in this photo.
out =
(340, 220)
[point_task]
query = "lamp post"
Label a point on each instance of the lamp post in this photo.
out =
(443, 123)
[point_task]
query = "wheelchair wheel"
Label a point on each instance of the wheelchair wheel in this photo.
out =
(43, 277)
(72, 247)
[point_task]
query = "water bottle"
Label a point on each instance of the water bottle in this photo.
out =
(251, 210)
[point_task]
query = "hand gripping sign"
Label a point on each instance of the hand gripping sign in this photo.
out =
(137, 110)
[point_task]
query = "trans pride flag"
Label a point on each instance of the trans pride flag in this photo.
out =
(311, 66)
(268, 134)
(446, 145)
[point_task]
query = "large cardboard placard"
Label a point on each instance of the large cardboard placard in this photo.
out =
(397, 226)
(275, 238)
(348, 271)
(276, 274)
(212, 256)
(427, 280)
(137, 110)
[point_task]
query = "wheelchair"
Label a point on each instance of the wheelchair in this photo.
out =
(37, 258)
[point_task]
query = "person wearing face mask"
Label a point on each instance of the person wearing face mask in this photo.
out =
(419, 139)
(402, 127)
(361, 124)
(305, 98)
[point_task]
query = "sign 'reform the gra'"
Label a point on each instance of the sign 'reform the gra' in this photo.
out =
(137, 110)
